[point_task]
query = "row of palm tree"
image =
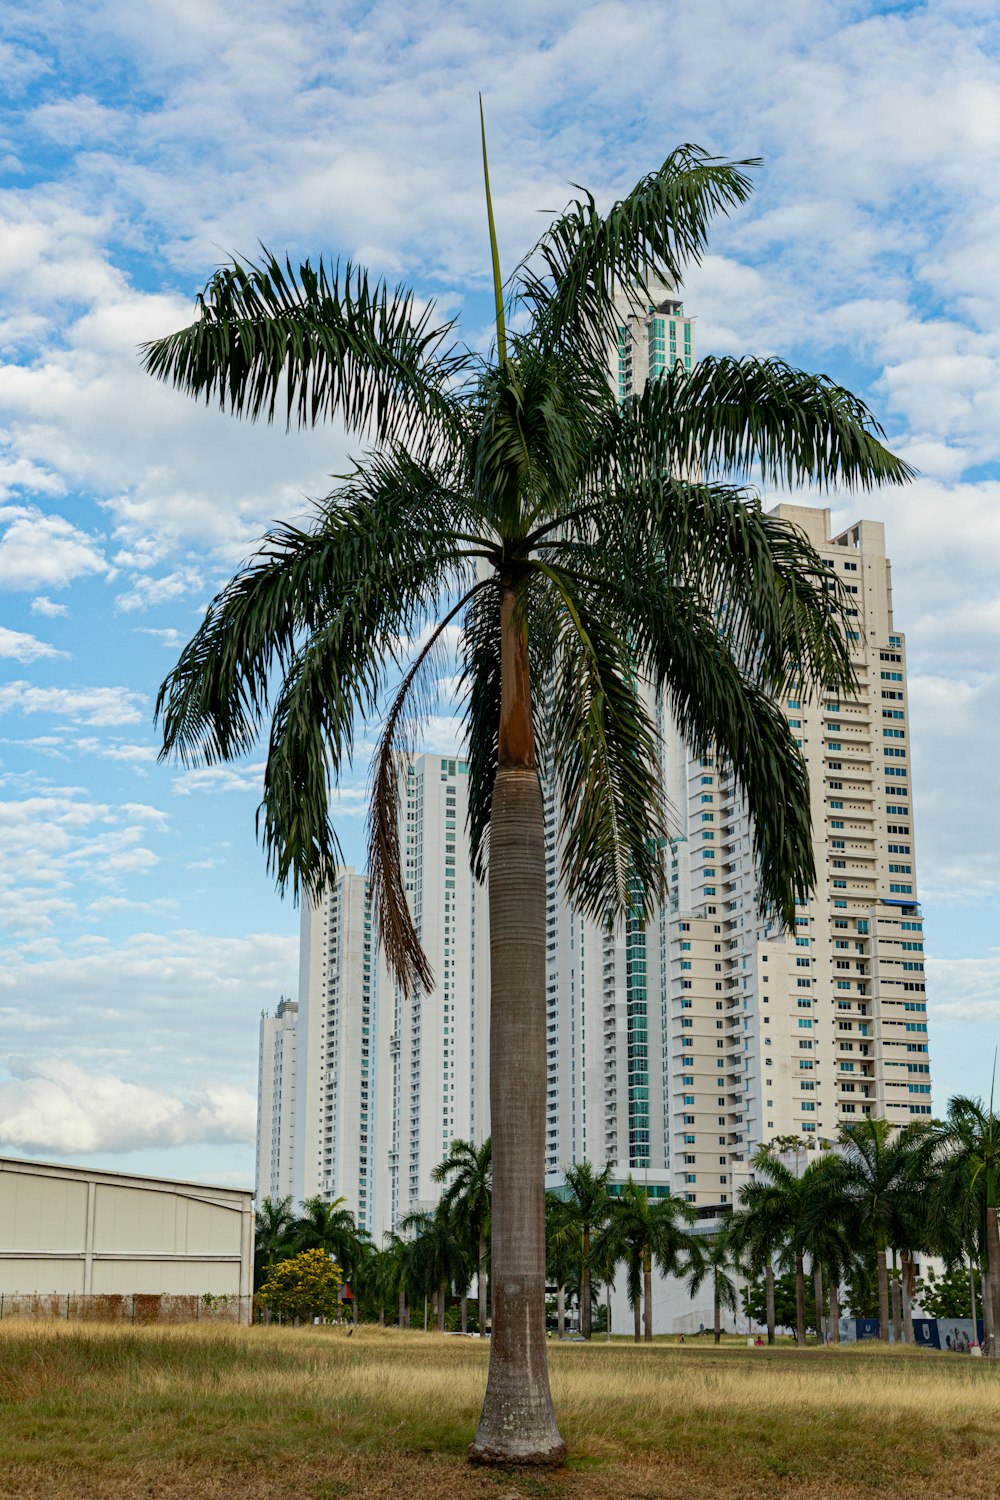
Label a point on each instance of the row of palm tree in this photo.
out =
(884, 1198)
(857, 1216)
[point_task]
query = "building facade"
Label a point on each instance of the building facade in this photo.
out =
(777, 1034)
(83, 1232)
(276, 1090)
(386, 1083)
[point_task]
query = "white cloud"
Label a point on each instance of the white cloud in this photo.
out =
(219, 779)
(103, 706)
(38, 550)
(58, 841)
(146, 592)
(62, 1108)
(175, 1010)
(965, 991)
(47, 607)
(15, 645)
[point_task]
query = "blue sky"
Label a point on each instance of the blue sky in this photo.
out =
(140, 143)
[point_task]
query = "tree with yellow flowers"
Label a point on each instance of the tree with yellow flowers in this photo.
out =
(304, 1286)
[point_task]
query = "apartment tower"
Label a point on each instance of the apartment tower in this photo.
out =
(276, 1088)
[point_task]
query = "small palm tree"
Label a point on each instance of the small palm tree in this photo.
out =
(438, 1258)
(274, 1224)
(394, 1274)
(970, 1182)
(756, 1240)
(468, 1201)
(715, 1260)
(882, 1165)
(827, 1237)
(331, 1227)
(563, 1252)
(775, 1202)
(643, 1231)
(588, 1206)
(582, 546)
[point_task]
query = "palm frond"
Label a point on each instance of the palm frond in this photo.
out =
(726, 417)
(604, 761)
(356, 574)
(648, 237)
(410, 708)
(316, 342)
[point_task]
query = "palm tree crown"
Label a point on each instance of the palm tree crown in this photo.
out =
(577, 542)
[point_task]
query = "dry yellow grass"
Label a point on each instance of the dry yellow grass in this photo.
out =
(222, 1414)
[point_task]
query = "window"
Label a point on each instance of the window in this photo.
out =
(804, 1024)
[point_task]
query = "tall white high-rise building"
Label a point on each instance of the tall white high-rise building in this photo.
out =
(385, 1083)
(773, 1033)
(276, 1088)
(336, 1126)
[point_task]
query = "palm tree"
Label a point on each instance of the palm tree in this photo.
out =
(273, 1226)
(775, 1201)
(587, 1206)
(714, 1259)
(825, 1236)
(468, 1199)
(438, 1258)
(756, 1240)
(331, 1227)
(882, 1164)
(563, 1251)
(394, 1273)
(970, 1181)
(642, 1231)
(567, 537)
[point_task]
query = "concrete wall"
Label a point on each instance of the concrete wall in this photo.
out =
(75, 1230)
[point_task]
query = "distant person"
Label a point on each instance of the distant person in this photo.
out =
(682, 1338)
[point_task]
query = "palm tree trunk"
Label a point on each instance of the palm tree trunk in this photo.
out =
(769, 1285)
(897, 1311)
(465, 1314)
(637, 1315)
(987, 1296)
(442, 1303)
(585, 1317)
(647, 1291)
(354, 1307)
(718, 1316)
(909, 1273)
(402, 1308)
(993, 1253)
(883, 1297)
(818, 1298)
(561, 1311)
(381, 1316)
(835, 1307)
(482, 1285)
(800, 1302)
(518, 1423)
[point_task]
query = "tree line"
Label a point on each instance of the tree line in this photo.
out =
(812, 1225)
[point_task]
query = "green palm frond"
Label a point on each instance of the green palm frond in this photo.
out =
(570, 277)
(604, 761)
(319, 342)
(727, 417)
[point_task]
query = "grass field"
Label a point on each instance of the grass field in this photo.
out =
(310, 1414)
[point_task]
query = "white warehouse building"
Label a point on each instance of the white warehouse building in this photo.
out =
(84, 1232)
